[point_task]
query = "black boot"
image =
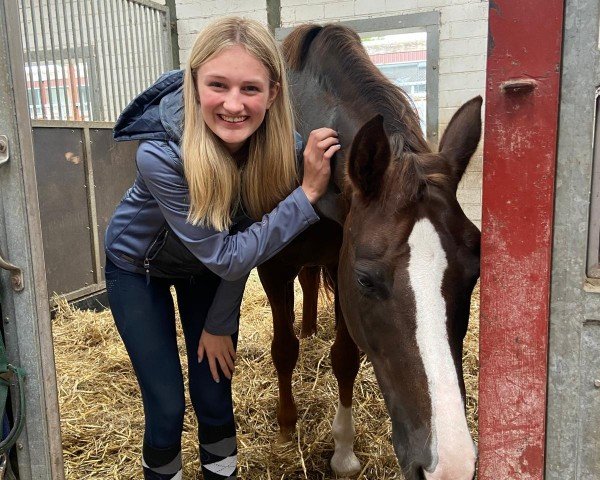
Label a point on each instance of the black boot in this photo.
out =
(162, 463)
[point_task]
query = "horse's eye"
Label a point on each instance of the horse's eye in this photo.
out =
(371, 282)
(364, 281)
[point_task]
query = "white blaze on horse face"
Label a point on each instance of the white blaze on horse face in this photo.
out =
(452, 448)
(344, 462)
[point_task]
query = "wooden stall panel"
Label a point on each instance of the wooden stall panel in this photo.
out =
(522, 92)
(61, 178)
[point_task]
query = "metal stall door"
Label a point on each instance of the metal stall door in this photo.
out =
(85, 60)
(25, 314)
(573, 422)
(522, 96)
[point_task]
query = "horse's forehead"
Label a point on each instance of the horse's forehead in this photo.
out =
(384, 228)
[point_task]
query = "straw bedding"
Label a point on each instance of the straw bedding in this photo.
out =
(102, 418)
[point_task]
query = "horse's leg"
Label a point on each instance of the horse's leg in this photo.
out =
(345, 362)
(278, 282)
(309, 281)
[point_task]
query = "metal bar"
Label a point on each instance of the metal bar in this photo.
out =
(77, 294)
(127, 58)
(155, 46)
(101, 63)
(118, 59)
(432, 84)
(71, 112)
(91, 199)
(149, 4)
(172, 35)
(112, 56)
(160, 40)
(62, 60)
(514, 321)
(26, 316)
(79, 115)
(167, 52)
(37, 56)
(110, 98)
(71, 124)
(26, 36)
(52, 45)
(44, 46)
(86, 72)
(95, 63)
(135, 44)
(573, 413)
(145, 28)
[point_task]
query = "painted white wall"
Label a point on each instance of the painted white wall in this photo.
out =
(193, 15)
(463, 48)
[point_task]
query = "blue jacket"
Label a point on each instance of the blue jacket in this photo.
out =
(160, 194)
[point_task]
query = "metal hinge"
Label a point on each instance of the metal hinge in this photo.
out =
(4, 152)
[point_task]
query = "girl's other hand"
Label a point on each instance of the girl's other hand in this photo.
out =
(321, 146)
(219, 350)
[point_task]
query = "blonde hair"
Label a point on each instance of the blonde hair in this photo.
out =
(216, 183)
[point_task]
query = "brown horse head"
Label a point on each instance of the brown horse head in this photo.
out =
(408, 265)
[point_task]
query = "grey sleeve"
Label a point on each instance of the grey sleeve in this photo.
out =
(224, 313)
(230, 256)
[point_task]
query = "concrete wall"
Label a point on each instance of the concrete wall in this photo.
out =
(463, 46)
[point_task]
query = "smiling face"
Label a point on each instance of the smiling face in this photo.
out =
(235, 92)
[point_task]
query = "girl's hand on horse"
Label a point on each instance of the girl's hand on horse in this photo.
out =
(321, 146)
(219, 350)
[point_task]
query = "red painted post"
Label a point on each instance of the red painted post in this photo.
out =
(522, 93)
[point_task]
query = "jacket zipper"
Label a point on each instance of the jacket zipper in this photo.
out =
(147, 260)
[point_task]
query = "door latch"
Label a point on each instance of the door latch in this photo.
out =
(16, 274)
(4, 152)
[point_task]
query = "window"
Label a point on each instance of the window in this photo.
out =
(406, 49)
(402, 57)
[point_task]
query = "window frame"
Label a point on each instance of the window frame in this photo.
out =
(428, 22)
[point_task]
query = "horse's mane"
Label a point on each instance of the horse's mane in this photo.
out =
(335, 56)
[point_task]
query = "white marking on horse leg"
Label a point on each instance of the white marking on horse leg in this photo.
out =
(344, 463)
(452, 448)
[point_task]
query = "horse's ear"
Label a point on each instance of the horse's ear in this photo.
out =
(369, 158)
(459, 142)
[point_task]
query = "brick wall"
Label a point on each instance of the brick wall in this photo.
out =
(193, 15)
(463, 45)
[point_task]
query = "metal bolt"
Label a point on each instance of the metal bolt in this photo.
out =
(20, 446)
(597, 383)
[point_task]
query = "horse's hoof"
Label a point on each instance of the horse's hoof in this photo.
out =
(345, 464)
(283, 436)
(308, 333)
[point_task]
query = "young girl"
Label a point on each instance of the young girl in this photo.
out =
(218, 151)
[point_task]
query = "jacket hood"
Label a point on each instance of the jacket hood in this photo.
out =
(156, 113)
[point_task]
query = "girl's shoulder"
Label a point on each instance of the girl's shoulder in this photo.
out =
(156, 156)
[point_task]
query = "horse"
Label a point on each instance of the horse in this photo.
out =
(399, 253)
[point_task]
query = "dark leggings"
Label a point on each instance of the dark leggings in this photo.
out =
(145, 317)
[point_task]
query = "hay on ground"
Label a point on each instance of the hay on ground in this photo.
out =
(102, 417)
